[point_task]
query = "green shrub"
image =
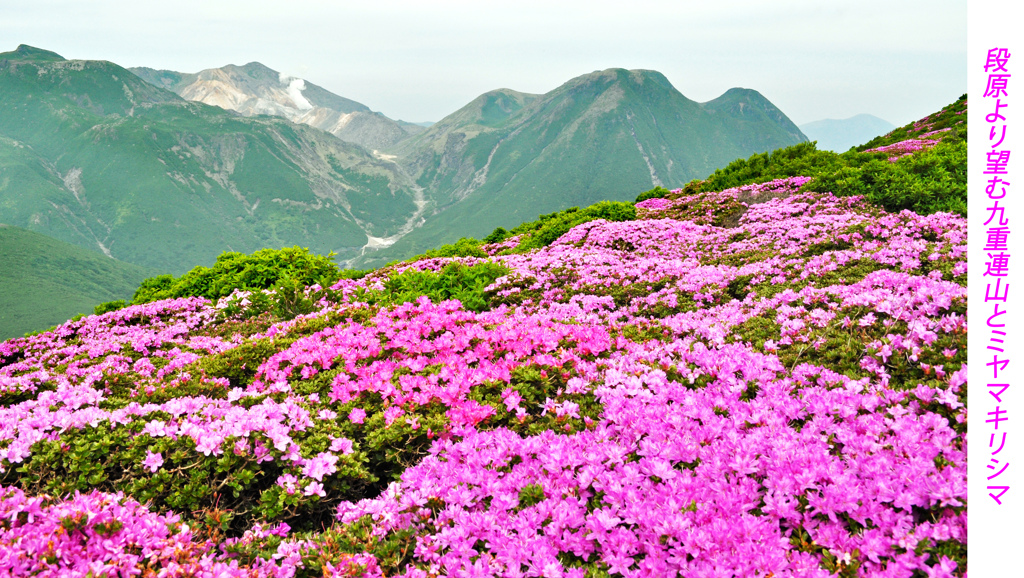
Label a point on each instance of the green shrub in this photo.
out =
(464, 247)
(498, 235)
(548, 228)
(264, 269)
(153, 288)
(455, 281)
(109, 306)
(926, 182)
(655, 193)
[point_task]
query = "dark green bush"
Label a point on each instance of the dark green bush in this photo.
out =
(464, 247)
(455, 281)
(109, 306)
(655, 193)
(264, 269)
(498, 235)
(153, 288)
(547, 228)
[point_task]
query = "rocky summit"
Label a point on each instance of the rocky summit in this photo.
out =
(92, 155)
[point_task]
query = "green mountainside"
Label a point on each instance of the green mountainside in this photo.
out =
(507, 156)
(97, 156)
(93, 155)
(46, 281)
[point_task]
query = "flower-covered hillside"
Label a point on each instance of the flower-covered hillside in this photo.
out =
(752, 382)
(921, 167)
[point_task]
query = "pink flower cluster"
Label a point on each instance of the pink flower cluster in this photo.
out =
(910, 146)
(904, 148)
(99, 534)
(678, 204)
(745, 429)
(510, 243)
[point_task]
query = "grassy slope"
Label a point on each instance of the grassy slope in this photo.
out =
(46, 281)
(925, 182)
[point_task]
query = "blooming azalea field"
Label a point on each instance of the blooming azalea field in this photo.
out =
(752, 382)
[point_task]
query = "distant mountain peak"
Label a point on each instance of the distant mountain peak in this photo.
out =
(739, 96)
(257, 89)
(26, 52)
(840, 134)
(633, 76)
(257, 66)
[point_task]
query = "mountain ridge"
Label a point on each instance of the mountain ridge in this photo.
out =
(840, 135)
(632, 127)
(114, 161)
(254, 89)
(122, 166)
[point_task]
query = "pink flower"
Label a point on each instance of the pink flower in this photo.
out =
(287, 481)
(322, 465)
(357, 415)
(153, 461)
(343, 445)
(511, 398)
(314, 488)
(391, 414)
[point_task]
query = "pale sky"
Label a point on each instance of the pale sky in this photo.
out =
(421, 60)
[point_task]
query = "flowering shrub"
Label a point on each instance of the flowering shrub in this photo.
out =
(904, 148)
(948, 124)
(930, 177)
(762, 381)
(98, 534)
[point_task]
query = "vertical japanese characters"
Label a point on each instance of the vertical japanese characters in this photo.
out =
(997, 266)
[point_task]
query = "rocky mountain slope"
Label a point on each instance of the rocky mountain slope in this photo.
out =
(92, 155)
(483, 164)
(256, 89)
(95, 155)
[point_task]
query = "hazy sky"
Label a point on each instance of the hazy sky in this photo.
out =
(420, 60)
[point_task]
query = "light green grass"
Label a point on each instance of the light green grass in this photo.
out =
(44, 281)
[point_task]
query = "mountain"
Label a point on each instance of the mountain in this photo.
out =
(256, 89)
(508, 156)
(124, 163)
(93, 155)
(47, 281)
(840, 135)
